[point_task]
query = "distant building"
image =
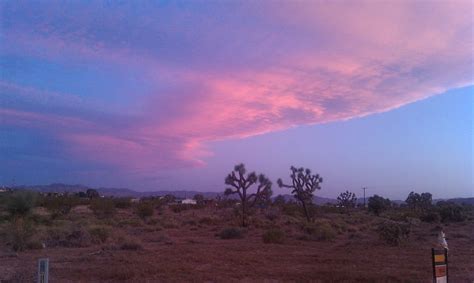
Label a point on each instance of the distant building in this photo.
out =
(189, 201)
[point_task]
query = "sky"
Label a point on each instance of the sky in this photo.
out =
(169, 95)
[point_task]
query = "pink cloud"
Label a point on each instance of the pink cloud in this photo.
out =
(349, 60)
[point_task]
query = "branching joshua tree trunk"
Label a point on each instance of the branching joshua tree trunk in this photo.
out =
(240, 185)
(303, 186)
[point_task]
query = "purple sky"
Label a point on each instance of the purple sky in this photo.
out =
(170, 95)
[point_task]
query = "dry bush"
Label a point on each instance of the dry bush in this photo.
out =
(161, 238)
(451, 212)
(21, 202)
(231, 233)
(273, 236)
(59, 206)
(127, 243)
(68, 236)
(272, 214)
(144, 210)
(178, 208)
(19, 233)
(99, 234)
(393, 233)
(291, 209)
(103, 207)
(122, 203)
(319, 231)
(208, 221)
(430, 217)
(130, 223)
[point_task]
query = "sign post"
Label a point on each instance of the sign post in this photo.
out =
(43, 270)
(440, 265)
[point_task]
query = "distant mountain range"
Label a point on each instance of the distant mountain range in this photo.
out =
(122, 192)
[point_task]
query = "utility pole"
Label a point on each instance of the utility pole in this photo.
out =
(364, 197)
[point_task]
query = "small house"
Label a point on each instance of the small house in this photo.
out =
(188, 201)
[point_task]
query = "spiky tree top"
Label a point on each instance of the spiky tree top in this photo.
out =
(304, 183)
(240, 184)
(347, 199)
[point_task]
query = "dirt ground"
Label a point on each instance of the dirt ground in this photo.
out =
(186, 248)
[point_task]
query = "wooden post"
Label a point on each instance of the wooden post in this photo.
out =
(440, 265)
(43, 270)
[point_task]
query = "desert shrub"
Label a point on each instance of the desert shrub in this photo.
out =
(34, 244)
(291, 209)
(377, 204)
(207, 221)
(273, 236)
(144, 210)
(231, 233)
(161, 238)
(71, 237)
(169, 223)
(401, 215)
(103, 207)
(99, 234)
(153, 221)
(20, 233)
(272, 214)
(393, 233)
(39, 219)
(58, 205)
(451, 212)
(130, 222)
(279, 200)
(178, 208)
(339, 226)
(122, 203)
(319, 231)
(130, 244)
(430, 217)
(21, 202)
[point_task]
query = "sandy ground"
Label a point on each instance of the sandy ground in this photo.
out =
(195, 253)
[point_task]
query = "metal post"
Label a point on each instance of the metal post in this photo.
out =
(447, 269)
(43, 270)
(364, 197)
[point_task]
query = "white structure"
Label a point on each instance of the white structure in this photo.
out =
(188, 201)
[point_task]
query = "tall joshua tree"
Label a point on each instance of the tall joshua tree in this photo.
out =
(304, 183)
(347, 200)
(240, 184)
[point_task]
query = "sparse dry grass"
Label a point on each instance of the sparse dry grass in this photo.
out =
(182, 246)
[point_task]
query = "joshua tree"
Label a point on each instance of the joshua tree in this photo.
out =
(303, 186)
(240, 185)
(347, 199)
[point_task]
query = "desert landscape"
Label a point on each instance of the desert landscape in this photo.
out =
(160, 239)
(237, 141)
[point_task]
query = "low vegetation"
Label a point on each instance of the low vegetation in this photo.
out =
(123, 228)
(231, 233)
